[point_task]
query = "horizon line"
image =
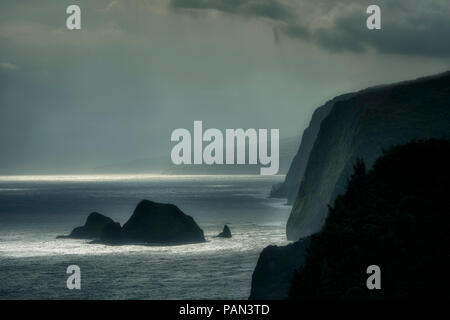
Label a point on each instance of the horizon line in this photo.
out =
(118, 176)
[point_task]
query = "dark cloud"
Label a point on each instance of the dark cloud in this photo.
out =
(271, 9)
(409, 27)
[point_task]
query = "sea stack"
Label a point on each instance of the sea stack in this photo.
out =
(92, 229)
(150, 223)
(161, 223)
(111, 234)
(226, 233)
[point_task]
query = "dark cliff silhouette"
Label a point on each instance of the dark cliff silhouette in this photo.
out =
(274, 271)
(396, 216)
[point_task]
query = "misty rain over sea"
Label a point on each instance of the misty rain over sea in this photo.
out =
(35, 209)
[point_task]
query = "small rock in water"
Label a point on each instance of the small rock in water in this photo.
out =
(226, 233)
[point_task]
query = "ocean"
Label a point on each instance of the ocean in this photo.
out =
(35, 209)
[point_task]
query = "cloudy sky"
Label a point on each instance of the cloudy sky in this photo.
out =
(115, 90)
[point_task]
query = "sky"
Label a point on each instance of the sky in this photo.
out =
(73, 100)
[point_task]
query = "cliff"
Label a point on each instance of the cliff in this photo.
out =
(396, 216)
(288, 188)
(361, 126)
(274, 271)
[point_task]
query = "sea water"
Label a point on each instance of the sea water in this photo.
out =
(35, 209)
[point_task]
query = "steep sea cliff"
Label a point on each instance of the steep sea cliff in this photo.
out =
(357, 126)
(361, 127)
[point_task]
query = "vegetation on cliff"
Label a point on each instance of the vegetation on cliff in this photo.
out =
(396, 216)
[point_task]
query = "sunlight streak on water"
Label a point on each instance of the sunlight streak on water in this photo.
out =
(50, 246)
